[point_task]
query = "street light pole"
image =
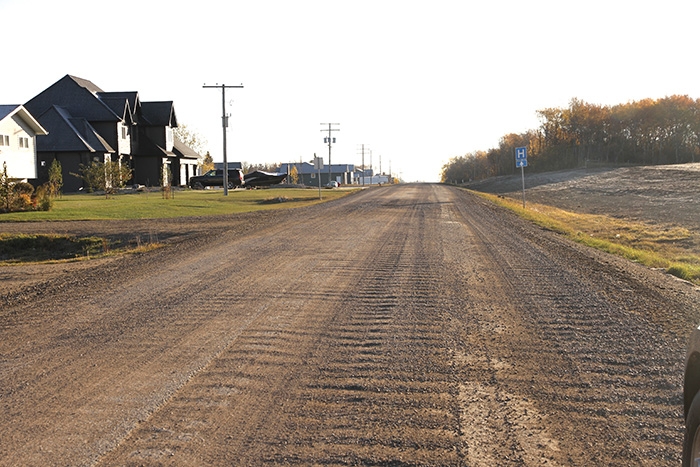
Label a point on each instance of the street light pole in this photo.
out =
(224, 124)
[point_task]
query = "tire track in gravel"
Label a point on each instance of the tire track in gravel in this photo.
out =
(601, 376)
(409, 325)
(117, 351)
(352, 376)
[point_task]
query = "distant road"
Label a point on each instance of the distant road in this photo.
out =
(403, 325)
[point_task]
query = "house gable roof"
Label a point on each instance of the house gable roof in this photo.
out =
(158, 113)
(116, 101)
(182, 150)
(87, 84)
(78, 96)
(70, 134)
(120, 106)
(9, 111)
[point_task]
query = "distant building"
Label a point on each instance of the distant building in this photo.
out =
(18, 131)
(344, 174)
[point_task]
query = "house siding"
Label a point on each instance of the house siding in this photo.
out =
(124, 146)
(70, 164)
(147, 170)
(21, 161)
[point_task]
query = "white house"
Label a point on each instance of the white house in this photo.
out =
(18, 131)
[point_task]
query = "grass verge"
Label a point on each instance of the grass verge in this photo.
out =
(184, 203)
(673, 249)
(22, 248)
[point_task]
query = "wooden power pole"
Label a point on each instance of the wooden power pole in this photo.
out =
(224, 124)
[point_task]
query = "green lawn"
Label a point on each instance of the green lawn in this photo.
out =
(184, 203)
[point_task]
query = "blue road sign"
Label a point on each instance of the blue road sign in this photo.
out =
(520, 153)
(521, 163)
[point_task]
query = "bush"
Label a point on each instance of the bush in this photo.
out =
(22, 188)
(43, 199)
(20, 196)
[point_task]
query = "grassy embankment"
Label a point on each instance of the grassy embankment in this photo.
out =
(21, 248)
(673, 249)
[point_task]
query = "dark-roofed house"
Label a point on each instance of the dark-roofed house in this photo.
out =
(87, 124)
(18, 129)
(160, 148)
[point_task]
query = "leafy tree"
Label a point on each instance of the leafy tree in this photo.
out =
(649, 131)
(196, 142)
(207, 163)
(248, 167)
(294, 175)
(106, 176)
(191, 138)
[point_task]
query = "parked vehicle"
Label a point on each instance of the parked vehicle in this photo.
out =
(215, 177)
(333, 184)
(691, 402)
(260, 178)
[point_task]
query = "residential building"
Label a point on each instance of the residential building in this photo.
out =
(87, 124)
(18, 131)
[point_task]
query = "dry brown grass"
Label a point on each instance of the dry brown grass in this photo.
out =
(671, 248)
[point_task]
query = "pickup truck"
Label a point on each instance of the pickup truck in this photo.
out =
(215, 177)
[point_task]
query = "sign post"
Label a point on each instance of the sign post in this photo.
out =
(318, 165)
(521, 161)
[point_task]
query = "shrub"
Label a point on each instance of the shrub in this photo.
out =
(6, 194)
(22, 188)
(23, 202)
(55, 179)
(14, 196)
(43, 199)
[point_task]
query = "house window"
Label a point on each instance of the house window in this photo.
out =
(4, 140)
(23, 142)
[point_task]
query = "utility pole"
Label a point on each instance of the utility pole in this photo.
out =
(224, 124)
(330, 140)
(363, 164)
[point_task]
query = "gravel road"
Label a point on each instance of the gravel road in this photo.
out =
(404, 325)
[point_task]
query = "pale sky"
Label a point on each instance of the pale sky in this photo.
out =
(417, 82)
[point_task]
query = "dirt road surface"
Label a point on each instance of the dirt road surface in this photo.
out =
(407, 325)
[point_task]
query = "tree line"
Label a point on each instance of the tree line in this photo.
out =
(646, 132)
